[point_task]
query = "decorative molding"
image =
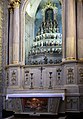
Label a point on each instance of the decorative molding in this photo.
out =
(81, 59)
(70, 58)
(15, 62)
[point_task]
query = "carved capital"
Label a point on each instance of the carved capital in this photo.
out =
(16, 3)
(11, 2)
(10, 7)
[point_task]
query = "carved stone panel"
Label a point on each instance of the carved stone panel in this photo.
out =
(81, 103)
(13, 77)
(53, 105)
(40, 77)
(9, 105)
(17, 105)
(70, 75)
(51, 77)
(80, 75)
(14, 104)
(72, 103)
(26, 77)
(59, 76)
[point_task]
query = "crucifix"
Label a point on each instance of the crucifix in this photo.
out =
(41, 81)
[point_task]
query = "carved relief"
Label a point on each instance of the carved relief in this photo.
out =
(26, 77)
(54, 104)
(72, 103)
(9, 104)
(31, 82)
(14, 78)
(70, 75)
(58, 82)
(41, 80)
(17, 105)
(81, 75)
(14, 1)
(81, 103)
(14, 105)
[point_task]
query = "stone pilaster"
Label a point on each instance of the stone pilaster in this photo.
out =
(10, 34)
(70, 43)
(80, 29)
(16, 5)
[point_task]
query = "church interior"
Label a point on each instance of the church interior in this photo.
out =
(41, 59)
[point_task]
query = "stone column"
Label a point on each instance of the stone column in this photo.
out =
(10, 34)
(80, 29)
(70, 30)
(63, 30)
(16, 4)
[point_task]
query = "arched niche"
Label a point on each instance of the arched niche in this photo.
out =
(28, 19)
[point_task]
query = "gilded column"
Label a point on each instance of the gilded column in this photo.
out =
(10, 34)
(80, 29)
(70, 30)
(16, 5)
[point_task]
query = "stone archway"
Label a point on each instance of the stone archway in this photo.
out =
(29, 7)
(23, 9)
